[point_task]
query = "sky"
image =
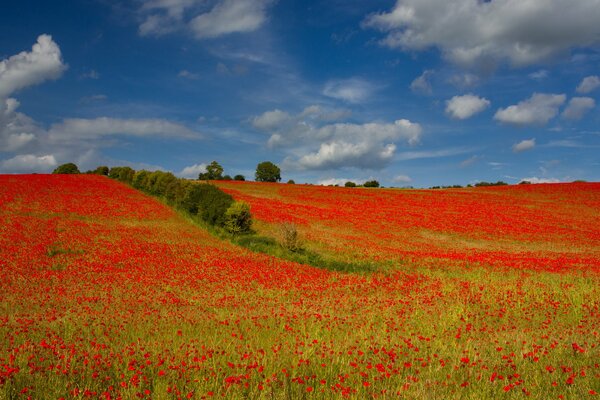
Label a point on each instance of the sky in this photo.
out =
(408, 92)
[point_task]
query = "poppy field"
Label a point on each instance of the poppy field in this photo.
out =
(108, 293)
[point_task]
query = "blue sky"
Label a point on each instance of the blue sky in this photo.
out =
(409, 92)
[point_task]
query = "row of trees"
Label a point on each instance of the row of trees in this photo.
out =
(266, 171)
(207, 201)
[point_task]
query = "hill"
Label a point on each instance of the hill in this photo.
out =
(107, 293)
(550, 226)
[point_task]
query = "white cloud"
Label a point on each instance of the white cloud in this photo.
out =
(402, 179)
(353, 90)
(463, 107)
(338, 181)
(344, 154)
(188, 75)
(163, 16)
(320, 145)
(192, 171)
(85, 129)
(577, 107)
(230, 16)
(537, 110)
(92, 74)
(43, 62)
(539, 75)
(523, 145)
(17, 140)
(17, 130)
(29, 163)
(588, 84)
(470, 32)
(421, 84)
(464, 80)
(469, 161)
(271, 120)
(535, 179)
(416, 155)
(202, 19)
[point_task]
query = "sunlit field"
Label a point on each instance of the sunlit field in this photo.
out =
(482, 293)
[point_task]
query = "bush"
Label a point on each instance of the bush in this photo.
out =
(207, 201)
(68, 168)
(239, 178)
(123, 174)
(238, 218)
(350, 184)
(291, 182)
(288, 237)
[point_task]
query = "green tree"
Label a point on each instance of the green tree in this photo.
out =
(214, 172)
(101, 170)
(239, 178)
(350, 184)
(371, 184)
(238, 218)
(68, 168)
(266, 171)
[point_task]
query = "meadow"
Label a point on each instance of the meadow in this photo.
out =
(481, 293)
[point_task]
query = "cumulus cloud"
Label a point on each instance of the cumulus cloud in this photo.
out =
(470, 32)
(588, 84)
(577, 107)
(43, 62)
(324, 145)
(85, 129)
(537, 110)
(230, 16)
(338, 181)
(271, 120)
(523, 145)
(463, 107)
(402, 179)
(535, 179)
(421, 84)
(17, 130)
(29, 163)
(192, 171)
(353, 90)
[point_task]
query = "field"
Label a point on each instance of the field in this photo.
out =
(482, 293)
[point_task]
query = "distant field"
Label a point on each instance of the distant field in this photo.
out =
(487, 293)
(550, 227)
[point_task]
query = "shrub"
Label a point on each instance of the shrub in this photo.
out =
(207, 201)
(239, 178)
(288, 237)
(140, 179)
(123, 174)
(291, 182)
(238, 218)
(68, 168)
(350, 184)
